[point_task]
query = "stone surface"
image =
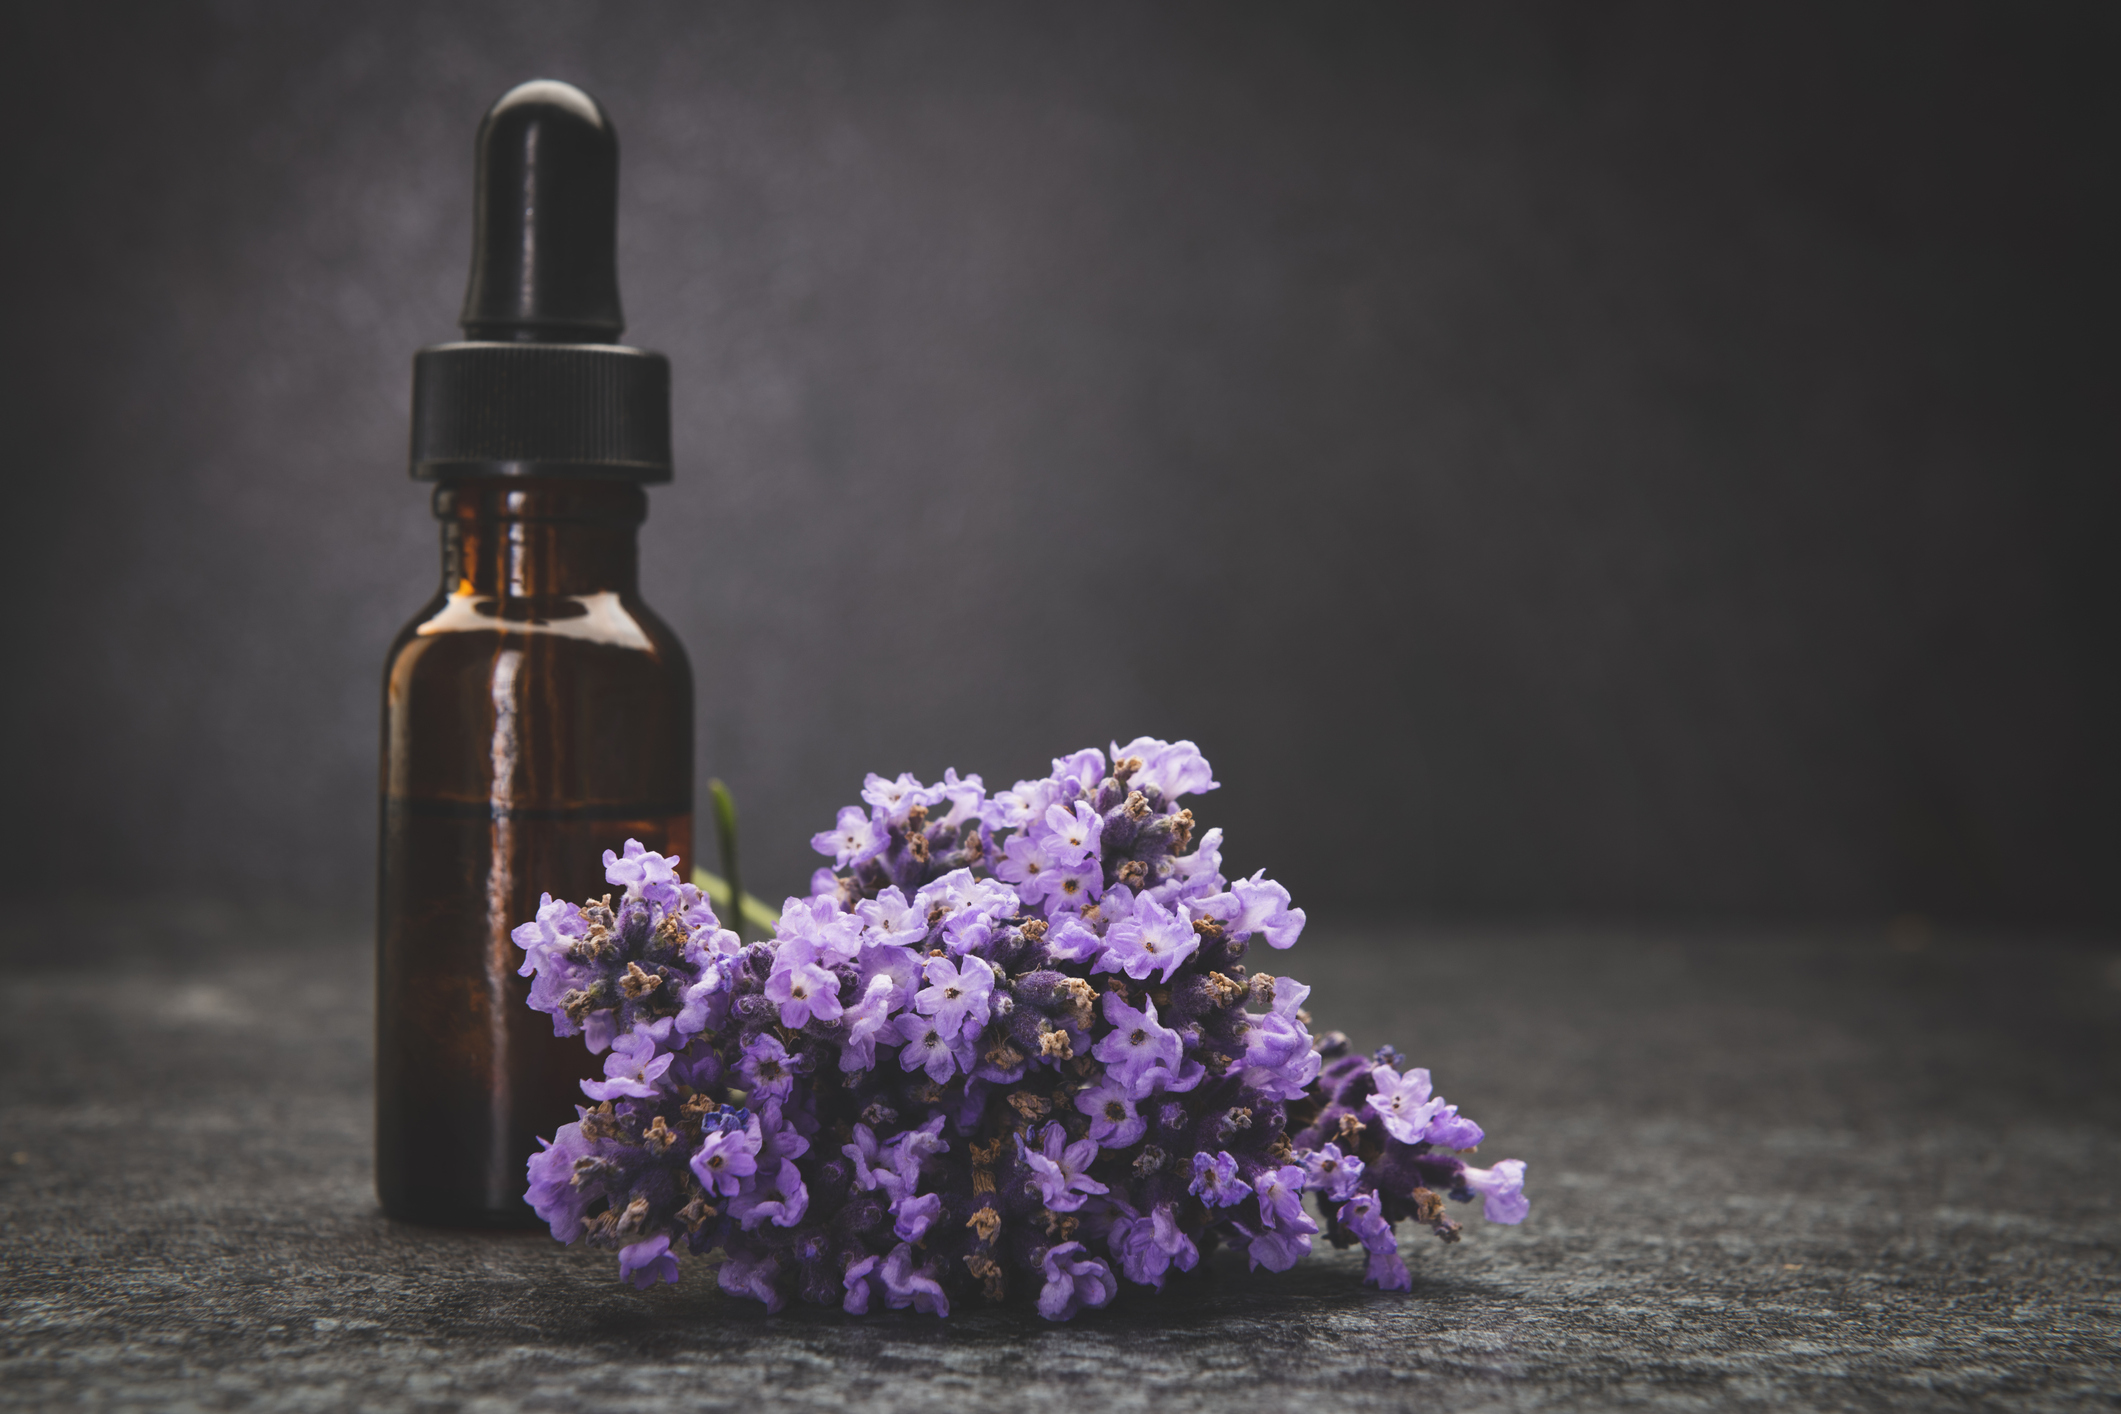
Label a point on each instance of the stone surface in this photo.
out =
(1786, 1169)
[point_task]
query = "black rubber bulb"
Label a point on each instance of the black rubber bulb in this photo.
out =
(544, 252)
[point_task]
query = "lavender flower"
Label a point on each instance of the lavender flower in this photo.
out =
(854, 840)
(893, 800)
(1074, 1279)
(1172, 769)
(1501, 1189)
(1333, 1173)
(782, 1202)
(643, 873)
(1004, 1047)
(1452, 1130)
(862, 1282)
(867, 1021)
(1363, 1216)
(646, 1263)
(1388, 1272)
(555, 1194)
(1148, 1248)
(908, 1285)
(1281, 1196)
(1403, 1103)
(932, 1046)
(1062, 1170)
(889, 919)
(1259, 905)
(752, 1274)
(1136, 1044)
(1074, 887)
(1151, 939)
(727, 1158)
(631, 1070)
(802, 986)
(825, 934)
(912, 1217)
(1278, 1056)
(1070, 837)
(1115, 1123)
(956, 997)
(1026, 864)
(1276, 1249)
(767, 1068)
(1072, 940)
(1215, 1180)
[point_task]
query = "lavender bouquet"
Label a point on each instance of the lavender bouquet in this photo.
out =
(1007, 1044)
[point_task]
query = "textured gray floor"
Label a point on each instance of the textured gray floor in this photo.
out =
(1795, 1170)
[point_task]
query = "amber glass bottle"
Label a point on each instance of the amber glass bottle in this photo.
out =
(536, 713)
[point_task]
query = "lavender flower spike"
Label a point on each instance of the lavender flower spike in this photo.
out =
(1004, 1049)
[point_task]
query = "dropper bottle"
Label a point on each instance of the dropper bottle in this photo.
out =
(536, 713)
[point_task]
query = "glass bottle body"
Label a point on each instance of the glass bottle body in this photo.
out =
(536, 713)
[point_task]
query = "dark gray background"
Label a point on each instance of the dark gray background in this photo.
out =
(1554, 460)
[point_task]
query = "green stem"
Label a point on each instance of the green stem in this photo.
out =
(725, 831)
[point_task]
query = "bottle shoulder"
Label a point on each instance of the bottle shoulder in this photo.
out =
(572, 705)
(559, 626)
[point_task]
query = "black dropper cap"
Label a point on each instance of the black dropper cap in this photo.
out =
(538, 389)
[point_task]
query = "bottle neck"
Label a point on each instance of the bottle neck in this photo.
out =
(533, 538)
